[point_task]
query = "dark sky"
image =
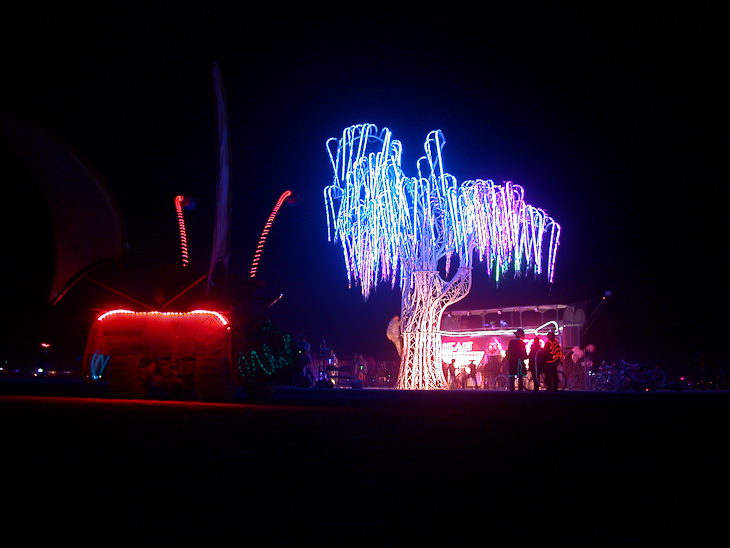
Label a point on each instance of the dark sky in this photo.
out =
(608, 116)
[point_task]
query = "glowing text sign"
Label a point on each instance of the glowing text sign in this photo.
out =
(462, 353)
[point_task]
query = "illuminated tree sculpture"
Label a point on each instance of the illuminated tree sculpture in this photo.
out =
(396, 229)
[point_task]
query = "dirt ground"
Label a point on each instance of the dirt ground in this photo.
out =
(365, 468)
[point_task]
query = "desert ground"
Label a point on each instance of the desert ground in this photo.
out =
(372, 467)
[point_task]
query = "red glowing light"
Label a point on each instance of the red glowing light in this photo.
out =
(181, 225)
(265, 232)
(221, 318)
(494, 348)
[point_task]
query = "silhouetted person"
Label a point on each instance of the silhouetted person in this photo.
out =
(305, 352)
(471, 373)
(553, 358)
(516, 354)
(450, 372)
(306, 378)
(534, 349)
(393, 332)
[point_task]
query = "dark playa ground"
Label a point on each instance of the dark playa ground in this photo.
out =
(364, 468)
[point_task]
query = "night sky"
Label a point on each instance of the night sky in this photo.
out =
(607, 116)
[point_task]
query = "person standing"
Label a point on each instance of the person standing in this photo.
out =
(470, 373)
(516, 354)
(534, 349)
(449, 371)
(393, 332)
(553, 358)
(306, 377)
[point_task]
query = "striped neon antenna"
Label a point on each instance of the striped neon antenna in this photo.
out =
(265, 232)
(395, 229)
(181, 225)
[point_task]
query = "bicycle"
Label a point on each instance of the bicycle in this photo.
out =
(528, 381)
(503, 382)
(604, 377)
(625, 376)
(584, 379)
(660, 379)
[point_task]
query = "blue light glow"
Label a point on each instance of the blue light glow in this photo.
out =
(389, 223)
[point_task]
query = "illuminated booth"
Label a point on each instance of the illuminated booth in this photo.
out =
(478, 339)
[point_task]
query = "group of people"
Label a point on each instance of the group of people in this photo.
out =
(540, 360)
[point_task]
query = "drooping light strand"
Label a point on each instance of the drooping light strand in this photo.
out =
(265, 232)
(390, 223)
(396, 228)
(181, 225)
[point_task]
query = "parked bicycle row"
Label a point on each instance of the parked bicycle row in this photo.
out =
(620, 376)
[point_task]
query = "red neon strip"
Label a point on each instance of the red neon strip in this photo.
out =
(264, 234)
(221, 318)
(183, 233)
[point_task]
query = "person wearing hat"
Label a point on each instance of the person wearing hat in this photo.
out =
(516, 354)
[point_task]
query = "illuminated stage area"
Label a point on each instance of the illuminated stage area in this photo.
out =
(478, 339)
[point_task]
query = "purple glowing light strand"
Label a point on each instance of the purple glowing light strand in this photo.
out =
(367, 219)
(374, 183)
(371, 251)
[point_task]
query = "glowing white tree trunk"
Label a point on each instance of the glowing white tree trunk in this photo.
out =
(392, 226)
(422, 308)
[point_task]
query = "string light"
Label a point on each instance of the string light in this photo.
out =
(265, 232)
(181, 225)
(119, 311)
(394, 228)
